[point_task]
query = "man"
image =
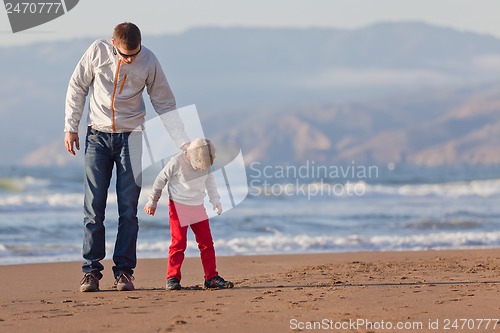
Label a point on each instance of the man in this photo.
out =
(115, 72)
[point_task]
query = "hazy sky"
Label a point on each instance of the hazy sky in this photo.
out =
(97, 18)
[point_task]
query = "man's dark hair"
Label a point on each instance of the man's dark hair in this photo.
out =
(128, 34)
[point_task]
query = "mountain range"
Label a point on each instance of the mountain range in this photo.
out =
(403, 93)
(441, 128)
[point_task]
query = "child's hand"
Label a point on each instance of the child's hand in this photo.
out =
(218, 207)
(150, 210)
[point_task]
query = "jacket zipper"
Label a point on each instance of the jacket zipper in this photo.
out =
(123, 83)
(113, 97)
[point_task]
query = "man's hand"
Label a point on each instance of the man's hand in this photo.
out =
(71, 140)
(218, 207)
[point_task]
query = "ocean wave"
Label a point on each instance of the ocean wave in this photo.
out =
(38, 253)
(308, 244)
(10, 185)
(21, 184)
(29, 201)
(475, 188)
(271, 244)
(455, 223)
(40, 202)
(43, 199)
(31, 194)
(281, 244)
(478, 188)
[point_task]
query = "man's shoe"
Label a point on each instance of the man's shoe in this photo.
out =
(173, 284)
(124, 282)
(218, 283)
(89, 283)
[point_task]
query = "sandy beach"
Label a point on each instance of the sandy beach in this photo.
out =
(424, 291)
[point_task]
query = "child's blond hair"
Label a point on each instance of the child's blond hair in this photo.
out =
(201, 153)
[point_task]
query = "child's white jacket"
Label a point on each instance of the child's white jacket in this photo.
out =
(185, 185)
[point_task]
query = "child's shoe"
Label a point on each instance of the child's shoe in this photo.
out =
(173, 284)
(218, 283)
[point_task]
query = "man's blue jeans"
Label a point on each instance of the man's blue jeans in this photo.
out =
(102, 152)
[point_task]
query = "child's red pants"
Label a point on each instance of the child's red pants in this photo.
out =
(178, 233)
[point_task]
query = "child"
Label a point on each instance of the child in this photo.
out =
(188, 177)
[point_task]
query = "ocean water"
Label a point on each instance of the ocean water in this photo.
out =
(41, 216)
